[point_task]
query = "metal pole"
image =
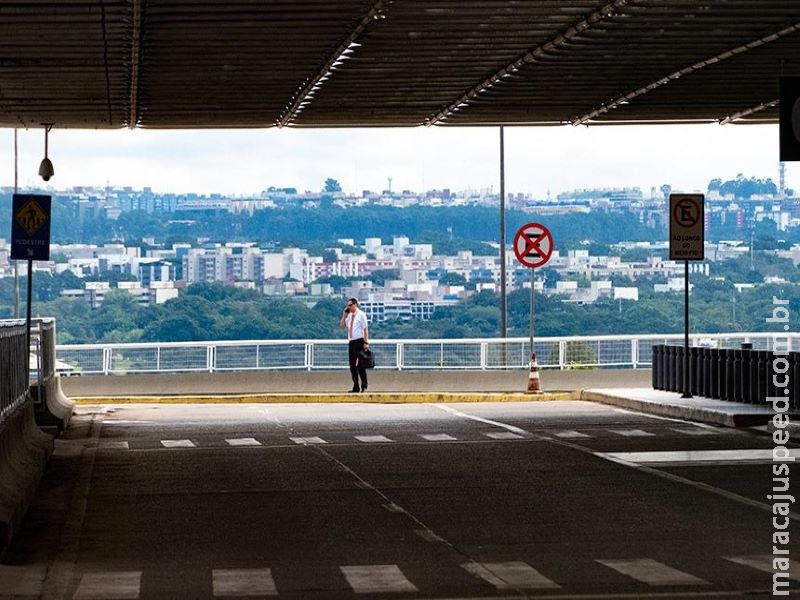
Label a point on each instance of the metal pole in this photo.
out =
(16, 262)
(30, 289)
(686, 393)
(533, 304)
(503, 325)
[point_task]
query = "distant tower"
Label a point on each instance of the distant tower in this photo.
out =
(390, 184)
(782, 180)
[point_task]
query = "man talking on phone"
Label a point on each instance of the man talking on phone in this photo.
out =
(355, 322)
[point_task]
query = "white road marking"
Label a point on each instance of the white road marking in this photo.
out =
(124, 422)
(243, 582)
(569, 434)
(514, 575)
(243, 442)
(22, 581)
(308, 440)
(632, 433)
(694, 456)
(113, 445)
(393, 508)
(428, 535)
(503, 435)
(437, 437)
(761, 562)
(178, 444)
(372, 439)
(377, 579)
(652, 572)
(695, 431)
(112, 585)
(463, 415)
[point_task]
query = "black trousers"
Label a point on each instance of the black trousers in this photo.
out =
(356, 370)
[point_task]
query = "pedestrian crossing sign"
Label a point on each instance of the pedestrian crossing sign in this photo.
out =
(30, 227)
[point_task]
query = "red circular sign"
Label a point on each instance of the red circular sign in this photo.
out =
(533, 245)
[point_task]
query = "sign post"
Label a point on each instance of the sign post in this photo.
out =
(686, 242)
(30, 237)
(533, 247)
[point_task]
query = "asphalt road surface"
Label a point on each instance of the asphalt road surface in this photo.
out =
(519, 500)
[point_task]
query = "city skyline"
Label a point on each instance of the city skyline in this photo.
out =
(538, 160)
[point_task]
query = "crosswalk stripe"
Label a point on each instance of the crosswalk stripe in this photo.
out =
(695, 456)
(632, 433)
(243, 442)
(372, 439)
(112, 585)
(510, 575)
(308, 440)
(695, 431)
(113, 445)
(437, 437)
(568, 434)
(22, 581)
(243, 582)
(652, 572)
(178, 444)
(761, 562)
(377, 579)
(503, 435)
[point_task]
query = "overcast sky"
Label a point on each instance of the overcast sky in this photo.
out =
(245, 162)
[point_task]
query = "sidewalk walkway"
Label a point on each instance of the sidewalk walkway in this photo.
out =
(670, 404)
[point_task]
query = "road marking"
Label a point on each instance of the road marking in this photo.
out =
(113, 585)
(113, 445)
(514, 575)
(503, 435)
(178, 444)
(632, 433)
(463, 415)
(437, 437)
(569, 434)
(243, 582)
(377, 579)
(652, 572)
(393, 508)
(683, 457)
(372, 439)
(761, 562)
(695, 431)
(243, 442)
(428, 535)
(308, 440)
(22, 581)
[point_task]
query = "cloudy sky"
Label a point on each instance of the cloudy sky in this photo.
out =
(245, 162)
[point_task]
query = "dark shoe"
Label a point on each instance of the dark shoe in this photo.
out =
(363, 387)
(355, 390)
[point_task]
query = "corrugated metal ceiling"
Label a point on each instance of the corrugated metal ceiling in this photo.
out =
(361, 63)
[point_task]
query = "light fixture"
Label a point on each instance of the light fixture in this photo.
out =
(46, 167)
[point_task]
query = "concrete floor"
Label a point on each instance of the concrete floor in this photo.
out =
(396, 501)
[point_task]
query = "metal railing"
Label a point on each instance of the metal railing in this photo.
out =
(13, 367)
(475, 354)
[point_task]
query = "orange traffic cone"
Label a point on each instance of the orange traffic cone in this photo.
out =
(533, 377)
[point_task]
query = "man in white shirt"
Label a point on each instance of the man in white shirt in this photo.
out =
(355, 322)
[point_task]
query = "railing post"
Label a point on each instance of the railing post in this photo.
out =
(309, 364)
(484, 355)
(107, 354)
(399, 356)
(562, 354)
(158, 358)
(635, 353)
(210, 358)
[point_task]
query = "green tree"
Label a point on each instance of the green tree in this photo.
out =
(331, 185)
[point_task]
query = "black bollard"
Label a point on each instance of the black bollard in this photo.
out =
(706, 358)
(695, 372)
(737, 375)
(762, 388)
(728, 375)
(715, 361)
(656, 362)
(747, 358)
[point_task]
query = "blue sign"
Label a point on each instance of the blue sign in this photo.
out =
(30, 227)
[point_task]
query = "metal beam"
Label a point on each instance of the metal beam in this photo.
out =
(532, 56)
(744, 113)
(306, 93)
(136, 58)
(622, 100)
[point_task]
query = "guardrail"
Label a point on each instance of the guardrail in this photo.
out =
(13, 367)
(476, 354)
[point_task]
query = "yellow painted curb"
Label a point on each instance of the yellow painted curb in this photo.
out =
(369, 398)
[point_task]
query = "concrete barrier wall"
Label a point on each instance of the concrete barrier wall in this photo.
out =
(339, 381)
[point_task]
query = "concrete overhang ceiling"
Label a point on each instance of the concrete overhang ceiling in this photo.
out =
(363, 63)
